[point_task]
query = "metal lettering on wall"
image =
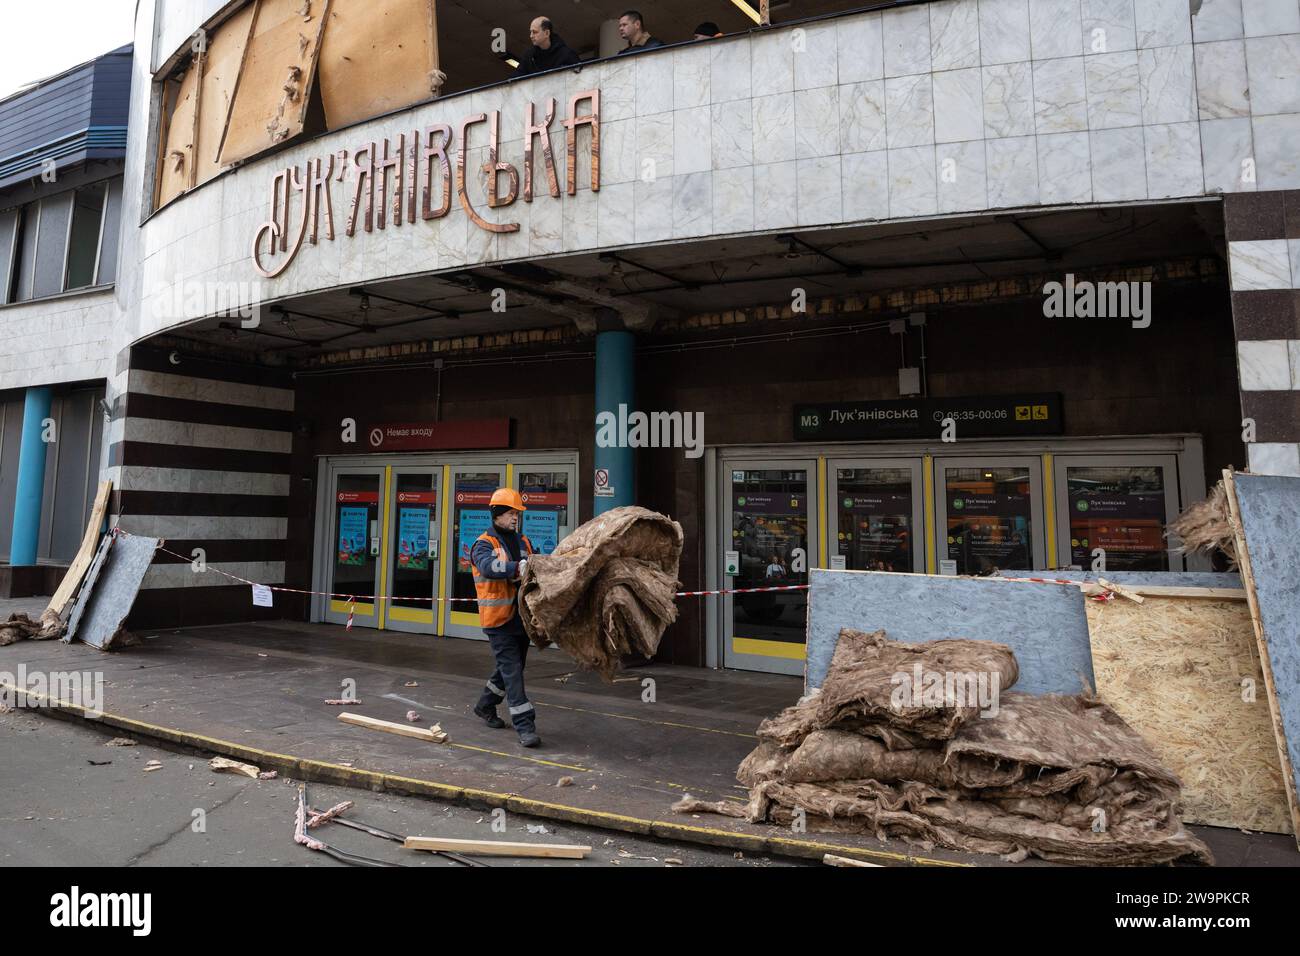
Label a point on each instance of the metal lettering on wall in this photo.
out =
(385, 178)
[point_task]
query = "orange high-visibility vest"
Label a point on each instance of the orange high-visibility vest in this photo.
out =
(496, 596)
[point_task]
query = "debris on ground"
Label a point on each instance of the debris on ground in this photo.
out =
(268, 775)
(99, 763)
(672, 861)
(153, 765)
(20, 627)
(564, 782)
(830, 859)
(226, 765)
(433, 733)
(1060, 777)
(316, 819)
(413, 717)
(412, 683)
(344, 702)
(537, 828)
(607, 590)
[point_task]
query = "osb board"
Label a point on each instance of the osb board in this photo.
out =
(221, 62)
(1174, 668)
(178, 152)
(377, 56)
(263, 113)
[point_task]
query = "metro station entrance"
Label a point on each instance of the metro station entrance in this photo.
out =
(393, 534)
(971, 508)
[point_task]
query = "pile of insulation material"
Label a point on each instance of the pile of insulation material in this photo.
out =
(1061, 778)
(20, 627)
(608, 589)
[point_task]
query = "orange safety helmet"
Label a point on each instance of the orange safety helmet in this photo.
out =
(509, 498)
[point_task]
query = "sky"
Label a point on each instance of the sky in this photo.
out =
(39, 38)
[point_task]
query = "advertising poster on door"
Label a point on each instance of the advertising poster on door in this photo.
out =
(988, 531)
(542, 529)
(1123, 516)
(878, 535)
(413, 539)
(353, 529)
(473, 522)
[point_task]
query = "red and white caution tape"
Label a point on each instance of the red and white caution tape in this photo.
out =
(352, 599)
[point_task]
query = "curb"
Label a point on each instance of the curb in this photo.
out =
(319, 771)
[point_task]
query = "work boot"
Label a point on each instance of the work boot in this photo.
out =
(529, 738)
(490, 718)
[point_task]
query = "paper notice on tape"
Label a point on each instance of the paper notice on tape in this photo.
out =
(261, 596)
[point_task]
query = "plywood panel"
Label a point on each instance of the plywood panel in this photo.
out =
(378, 55)
(221, 61)
(176, 160)
(271, 93)
(1174, 669)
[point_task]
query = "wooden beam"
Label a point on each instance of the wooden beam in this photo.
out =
(830, 859)
(554, 851)
(432, 734)
(1121, 591)
(1209, 594)
(85, 554)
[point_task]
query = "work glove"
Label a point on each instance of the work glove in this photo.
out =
(523, 566)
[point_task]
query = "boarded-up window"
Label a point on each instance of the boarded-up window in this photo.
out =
(274, 84)
(378, 56)
(221, 60)
(270, 70)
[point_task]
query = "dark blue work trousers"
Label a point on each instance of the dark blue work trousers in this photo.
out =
(510, 650)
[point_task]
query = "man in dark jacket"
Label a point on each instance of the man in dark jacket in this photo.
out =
(549, 52)
(631, 27)
(500, 558)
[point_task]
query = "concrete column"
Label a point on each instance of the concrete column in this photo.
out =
(615, 386)
(31, 479)
(610, 41)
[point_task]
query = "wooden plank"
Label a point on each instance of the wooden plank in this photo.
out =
(1261, 641)
(178, 151)
(1176, 670)
(432, 734)
(1121, 591)
(85, 554)
(553, 851)
(1156, 590)
(239, 75)
(830, 859)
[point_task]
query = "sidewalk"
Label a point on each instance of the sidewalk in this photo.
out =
(256, 692)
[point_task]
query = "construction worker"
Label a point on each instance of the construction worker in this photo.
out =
(499, 558)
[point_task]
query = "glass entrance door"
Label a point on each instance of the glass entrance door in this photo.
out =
(546, 490)
(876, 514)
(770, 539)
(414, 531)
(989, 513)
(471, 489)
(355, 533)
(1112, 511)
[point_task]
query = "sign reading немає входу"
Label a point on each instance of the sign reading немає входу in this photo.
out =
(984, 416)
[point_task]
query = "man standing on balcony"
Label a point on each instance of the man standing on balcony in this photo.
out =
(631, 27)
(500, 558)
(549, 51)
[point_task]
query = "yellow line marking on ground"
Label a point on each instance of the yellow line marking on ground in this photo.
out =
(646, 720)
(501, 753)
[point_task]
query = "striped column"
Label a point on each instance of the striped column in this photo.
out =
(200, 455)
(1263, 232)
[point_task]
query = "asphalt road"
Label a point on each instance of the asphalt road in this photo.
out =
(72, 800)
